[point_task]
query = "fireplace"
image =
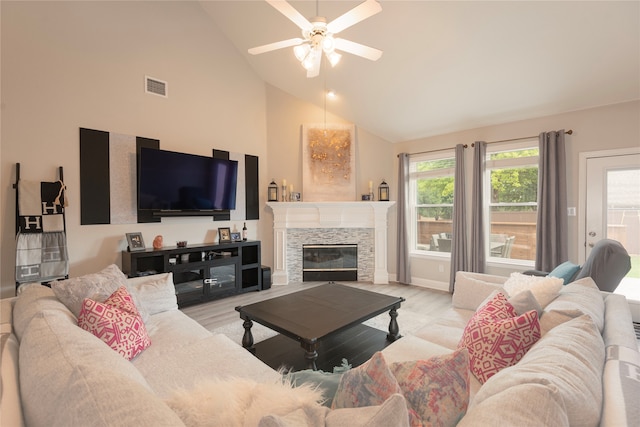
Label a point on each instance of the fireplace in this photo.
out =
(297, 223)
(329, 262)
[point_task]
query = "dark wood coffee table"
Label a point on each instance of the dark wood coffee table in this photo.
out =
(319, 313)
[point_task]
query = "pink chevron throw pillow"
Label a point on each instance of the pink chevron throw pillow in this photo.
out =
(117, 322)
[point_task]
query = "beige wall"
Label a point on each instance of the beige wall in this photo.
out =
(67, 65)
(285, 116)
(610, 127)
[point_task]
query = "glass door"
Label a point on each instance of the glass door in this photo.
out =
(612, 209)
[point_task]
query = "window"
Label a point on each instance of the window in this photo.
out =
(512, 196)
(431, 202)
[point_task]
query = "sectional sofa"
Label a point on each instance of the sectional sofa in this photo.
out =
(582, 371)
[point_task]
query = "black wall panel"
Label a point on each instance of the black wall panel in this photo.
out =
(95, 206)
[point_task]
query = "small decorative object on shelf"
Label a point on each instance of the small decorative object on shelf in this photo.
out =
(383, 191)
(371, 198)
(272, 191)
(224, 235)
(244, 232)
(136, 243)
(157, 242)
(181, 243)
(284, 190)
(366, 197)
(235, 236)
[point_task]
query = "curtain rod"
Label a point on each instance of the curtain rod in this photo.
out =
(432, 151)
(568, 132)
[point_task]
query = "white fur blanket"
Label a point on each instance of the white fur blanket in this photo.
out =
(243, 403)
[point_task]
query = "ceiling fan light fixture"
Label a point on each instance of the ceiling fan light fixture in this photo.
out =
(301, 51)
(333, 57)
(309, 61)
(328, 43)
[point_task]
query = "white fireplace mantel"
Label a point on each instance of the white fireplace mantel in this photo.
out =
(290, 215)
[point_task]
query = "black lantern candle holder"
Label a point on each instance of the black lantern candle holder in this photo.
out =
(383, 191)
(272, 191)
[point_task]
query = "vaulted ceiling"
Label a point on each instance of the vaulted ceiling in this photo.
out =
(453, 65)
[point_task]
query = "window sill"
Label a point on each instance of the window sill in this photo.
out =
(507, 262)
(430, 255)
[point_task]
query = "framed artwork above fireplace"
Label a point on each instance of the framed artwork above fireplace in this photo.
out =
(328, 162)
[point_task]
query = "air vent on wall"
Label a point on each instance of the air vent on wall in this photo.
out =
(155, 86)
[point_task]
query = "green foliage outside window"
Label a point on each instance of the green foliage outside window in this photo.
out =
(435, 190)
(516, 184)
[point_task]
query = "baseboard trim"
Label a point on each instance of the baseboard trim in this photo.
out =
(424, 283)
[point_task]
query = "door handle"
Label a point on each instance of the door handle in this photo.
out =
(591, 245)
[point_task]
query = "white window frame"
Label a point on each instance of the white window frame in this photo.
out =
(413, 177)
(501, 164)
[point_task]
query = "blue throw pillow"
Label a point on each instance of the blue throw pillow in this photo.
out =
(565, 271)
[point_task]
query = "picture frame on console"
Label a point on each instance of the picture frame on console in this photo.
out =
(224, 235)
(135, 241)
(236, 236)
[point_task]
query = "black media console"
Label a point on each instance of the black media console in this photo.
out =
(201, 272)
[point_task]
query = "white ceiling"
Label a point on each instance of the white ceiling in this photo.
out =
(451, 65)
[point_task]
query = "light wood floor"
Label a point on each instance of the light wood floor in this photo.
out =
(220, 312)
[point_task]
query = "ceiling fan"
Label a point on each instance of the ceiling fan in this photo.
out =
(318, 36)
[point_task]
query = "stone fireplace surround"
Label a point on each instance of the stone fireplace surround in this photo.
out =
(363, 223)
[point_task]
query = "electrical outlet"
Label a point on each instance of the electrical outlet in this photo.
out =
(571, 211)
(440, 268)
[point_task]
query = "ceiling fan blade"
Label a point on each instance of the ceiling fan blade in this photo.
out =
(355, 15)
(273, 46)
(290, 12)
(358, 49)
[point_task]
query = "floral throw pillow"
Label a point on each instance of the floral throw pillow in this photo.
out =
(117, 322)
(369, 384)
(497, 338)
(436, 389)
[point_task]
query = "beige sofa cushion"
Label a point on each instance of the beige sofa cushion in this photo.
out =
(575, 371)
(184, 364)
(97, 286)
(10, 409)
(155, 293)
(576, 298)
(471, 289)
(412, 348)
(32, 300)
(447, 330)
(621, 383)
(101, 388)
(617, 321)
(522, 405)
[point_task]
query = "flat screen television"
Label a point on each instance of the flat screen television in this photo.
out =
(169, 181)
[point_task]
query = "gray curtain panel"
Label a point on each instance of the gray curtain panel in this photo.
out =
(478, 255)
(551, 232)
(458, 242)
(403, 262)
